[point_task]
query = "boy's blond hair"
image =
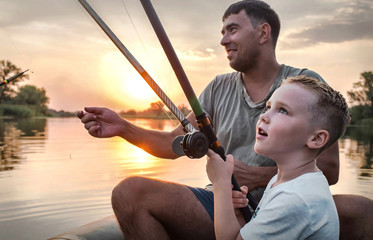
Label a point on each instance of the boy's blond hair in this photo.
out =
(330, 111)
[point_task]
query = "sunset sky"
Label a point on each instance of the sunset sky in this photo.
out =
(76, 63)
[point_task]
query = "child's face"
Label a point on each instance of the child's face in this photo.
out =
(285, 126)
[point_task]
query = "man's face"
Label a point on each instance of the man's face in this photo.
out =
(240, 41)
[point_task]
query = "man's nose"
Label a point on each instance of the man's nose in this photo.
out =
(224, 40)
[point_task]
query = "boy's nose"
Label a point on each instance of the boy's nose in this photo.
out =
(264, 117)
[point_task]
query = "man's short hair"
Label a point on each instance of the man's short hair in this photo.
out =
(259, 12)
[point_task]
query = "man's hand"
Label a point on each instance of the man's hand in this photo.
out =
(239, 199)
(252, 177)
(101, 122)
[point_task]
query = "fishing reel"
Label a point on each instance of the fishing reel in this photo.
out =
(193, 145)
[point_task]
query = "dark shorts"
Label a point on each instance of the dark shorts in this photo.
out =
(206, 197)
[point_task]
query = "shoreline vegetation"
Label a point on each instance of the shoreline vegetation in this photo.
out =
(29, 101)
(155, 111)
(11, 111)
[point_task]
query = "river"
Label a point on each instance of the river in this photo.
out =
(55, 177)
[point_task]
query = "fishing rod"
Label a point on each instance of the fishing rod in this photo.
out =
(145, 75)
(195, 143)
(6, 81)
(204, 123)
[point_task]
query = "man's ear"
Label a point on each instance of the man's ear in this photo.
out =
(265, 33)
(318, 139)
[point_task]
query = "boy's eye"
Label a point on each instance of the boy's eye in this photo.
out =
(283, 111)
(267, 108)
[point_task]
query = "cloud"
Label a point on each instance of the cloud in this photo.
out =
(348, 22)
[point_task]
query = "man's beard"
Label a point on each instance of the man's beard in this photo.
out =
(247, 63)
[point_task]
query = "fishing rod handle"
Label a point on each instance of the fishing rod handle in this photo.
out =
(246, 212)
(205, 126)
(252, 202)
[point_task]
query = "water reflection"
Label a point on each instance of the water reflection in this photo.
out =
(11, 131)
(358, 144)
(159, 124)
(62, 177)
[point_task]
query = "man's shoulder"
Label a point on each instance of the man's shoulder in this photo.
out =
(289, 71)
(231, 76)
(225, 80)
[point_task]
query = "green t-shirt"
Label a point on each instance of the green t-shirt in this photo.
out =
(234, 115)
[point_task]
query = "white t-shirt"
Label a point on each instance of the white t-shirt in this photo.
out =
(302, 208)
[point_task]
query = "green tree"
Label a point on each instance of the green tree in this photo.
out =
(361, 97)
(156, 108)
(7, 70)
(362, 94)
(184, 109)
(31, 95)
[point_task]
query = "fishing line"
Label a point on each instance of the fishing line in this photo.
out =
(174, 122)
(187, 126)
(134, 27)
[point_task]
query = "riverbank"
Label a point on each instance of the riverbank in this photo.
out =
(18, 111)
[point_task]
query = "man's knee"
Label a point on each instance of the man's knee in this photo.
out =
(126, 192)
(355, 216)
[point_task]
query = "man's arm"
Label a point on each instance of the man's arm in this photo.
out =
(257, 177)
(253, 177)
(104, 123)
(328, 163)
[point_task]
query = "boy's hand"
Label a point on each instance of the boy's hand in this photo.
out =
(217, 169)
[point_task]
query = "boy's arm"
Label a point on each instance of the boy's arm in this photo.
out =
(220, 172)
(225, 221)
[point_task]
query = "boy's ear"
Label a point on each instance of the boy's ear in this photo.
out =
(318, 139)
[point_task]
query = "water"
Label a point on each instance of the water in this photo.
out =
(54, 177)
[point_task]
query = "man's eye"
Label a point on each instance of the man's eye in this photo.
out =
(232, 29)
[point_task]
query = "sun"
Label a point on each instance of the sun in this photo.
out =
(136, 88)
(126, 84)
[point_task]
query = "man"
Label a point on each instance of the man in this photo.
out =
(152, 209)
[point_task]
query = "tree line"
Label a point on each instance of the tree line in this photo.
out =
(24, 101)
(28, 100)
(156, 110)
(361, 99)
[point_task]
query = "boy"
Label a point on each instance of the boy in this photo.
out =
(303, 117)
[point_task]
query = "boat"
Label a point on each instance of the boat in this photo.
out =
(356, 220)
(106, 228)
